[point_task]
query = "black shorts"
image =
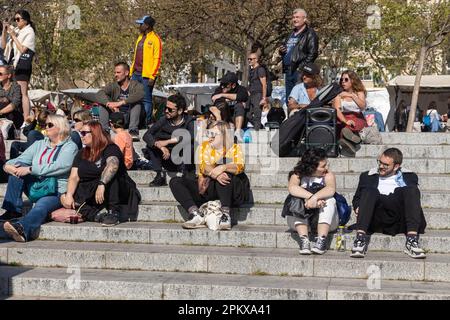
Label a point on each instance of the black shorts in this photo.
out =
(22, 75)
(239, 110)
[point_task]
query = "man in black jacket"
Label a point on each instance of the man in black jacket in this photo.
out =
(388, 200)
(235, 95)
(123, 95)
(161, 139)
(301, 47)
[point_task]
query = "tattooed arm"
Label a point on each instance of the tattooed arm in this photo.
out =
(112, 165)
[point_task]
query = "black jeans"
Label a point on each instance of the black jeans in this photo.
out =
(392, 214)
(186, 192)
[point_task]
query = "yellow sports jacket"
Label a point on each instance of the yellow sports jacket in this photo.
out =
(152, 53)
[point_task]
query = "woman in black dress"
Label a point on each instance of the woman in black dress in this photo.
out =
(99, 185)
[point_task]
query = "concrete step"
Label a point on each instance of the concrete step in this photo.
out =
(262, 214)
(437, 241)
(222, 260)
(112, 284)
(343, 180)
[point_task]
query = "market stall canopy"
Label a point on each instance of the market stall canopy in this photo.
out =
(39, 96)
(436, 82)
(196, 94)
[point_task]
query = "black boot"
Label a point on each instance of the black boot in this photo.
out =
(159, 181)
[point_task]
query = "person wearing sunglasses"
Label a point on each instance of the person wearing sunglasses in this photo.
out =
(79, 118)
(125, 96)
(257, 88)
(20, 45)
(100, 182)
(34, 131)
(10, 102)
(220, 176)
(164, 135)
(306, 91)
(49, 159)
(349, 105)
(387, 200)
(236, 97)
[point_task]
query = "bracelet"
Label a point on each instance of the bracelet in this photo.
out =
(310, 197)
(101, 183)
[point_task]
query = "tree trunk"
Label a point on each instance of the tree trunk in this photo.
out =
(245, 71)
(415, 95)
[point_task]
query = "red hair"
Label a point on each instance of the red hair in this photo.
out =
(100, 140)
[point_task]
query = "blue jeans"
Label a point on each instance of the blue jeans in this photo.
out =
(147, 101)
(32, 222)
(290, 80)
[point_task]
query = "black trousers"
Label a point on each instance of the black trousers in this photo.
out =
(398, 212)
(156, 157)
(186, 191)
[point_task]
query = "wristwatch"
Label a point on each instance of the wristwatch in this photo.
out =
(101, 183)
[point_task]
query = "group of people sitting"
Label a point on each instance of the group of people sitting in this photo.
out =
(387, 200)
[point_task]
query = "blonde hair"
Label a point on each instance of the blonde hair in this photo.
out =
(226, 131)
(62, 123)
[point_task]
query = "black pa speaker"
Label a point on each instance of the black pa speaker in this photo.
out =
(321, 130)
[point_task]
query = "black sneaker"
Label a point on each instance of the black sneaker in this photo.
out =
(10, 215)
(110, 219)
(15, 231)
(359, 246)
(159, 181)
(305, 246)
(135, 135)
(320, 246)
(413, 249)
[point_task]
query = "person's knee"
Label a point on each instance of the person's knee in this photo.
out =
(174, 182)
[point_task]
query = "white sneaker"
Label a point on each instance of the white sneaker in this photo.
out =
(225, 222)
(196, 222)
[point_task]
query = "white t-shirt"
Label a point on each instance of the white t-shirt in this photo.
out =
(349, 106)
(387, 185)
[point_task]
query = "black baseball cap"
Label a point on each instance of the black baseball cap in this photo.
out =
(310, 68)
(229, 77)
(117, 118)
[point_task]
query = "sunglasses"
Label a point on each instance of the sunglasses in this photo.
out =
(345, 79)
(77, 120)
(383, 165)
(3, 74)
(49, 125)
(170, 110)
(84, 133)
(18, 19)
(251, 59)
(212, 134)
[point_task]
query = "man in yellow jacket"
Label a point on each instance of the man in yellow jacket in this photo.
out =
(146, 61)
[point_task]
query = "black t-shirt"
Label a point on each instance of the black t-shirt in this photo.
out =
(124, 94)
(240, 91)
(88, 170)
(254, 82)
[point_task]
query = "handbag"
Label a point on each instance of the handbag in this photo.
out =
(212, 211)
(25, 61)
(343, 209)
(293, 206)
(43, 186)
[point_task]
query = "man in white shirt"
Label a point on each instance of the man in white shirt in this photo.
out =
(388, 201)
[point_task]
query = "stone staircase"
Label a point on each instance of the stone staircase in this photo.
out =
(155, 258)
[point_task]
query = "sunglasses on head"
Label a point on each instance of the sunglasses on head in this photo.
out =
(49, 125)
(84, 133)
(345, 79)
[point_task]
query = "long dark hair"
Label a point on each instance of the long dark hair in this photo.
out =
(100, 140)
(26, 16)
(309, 162)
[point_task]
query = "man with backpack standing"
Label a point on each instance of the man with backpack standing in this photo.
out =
(301, 47)
(258, 85)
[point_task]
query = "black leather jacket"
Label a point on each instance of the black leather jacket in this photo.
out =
(306, 50)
